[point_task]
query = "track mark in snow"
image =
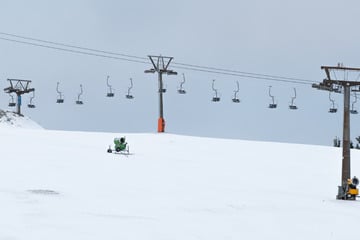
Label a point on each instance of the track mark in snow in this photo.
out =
(43, 191)
(124, 217)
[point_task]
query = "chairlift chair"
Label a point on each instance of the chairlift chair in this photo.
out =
(12, 102)
(332, 109)
(181, 90)
(353, 110)
(128, 95)
(292, 106)
(163, 90)
(31, 105)
(110, 93)
(216, 98)
(272, 105)
(78, 101)
(60, 98)
(236, 99)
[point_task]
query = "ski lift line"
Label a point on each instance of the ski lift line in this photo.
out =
(75, 51)
(241, 72)
(72, 46)
(181, 65)
(247, 76)
(143, 58)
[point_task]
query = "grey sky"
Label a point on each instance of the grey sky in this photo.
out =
(286, 38)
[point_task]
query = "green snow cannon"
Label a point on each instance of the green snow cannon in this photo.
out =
(120, 144)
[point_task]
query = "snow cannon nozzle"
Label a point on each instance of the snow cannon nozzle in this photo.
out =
(355, 181)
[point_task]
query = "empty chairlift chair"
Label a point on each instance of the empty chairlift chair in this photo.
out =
(12, 102)
(110, 93)
(181, 90)
(236, 99)
(292, 106)
(128, 95)
(332, 109)
(60, 98)
(78, 101)
(216, 98)
(353, 110)
(31, 105)
(163, 89)
(272, 105)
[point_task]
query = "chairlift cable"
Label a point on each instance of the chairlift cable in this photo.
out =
(137, 59)
(240, 72)
(72, 46)
(75, 51)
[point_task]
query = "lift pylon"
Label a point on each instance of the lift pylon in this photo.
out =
(161, 65)
(19, 87)
(348, 189)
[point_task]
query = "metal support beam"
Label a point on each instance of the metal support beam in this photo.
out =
(19, 87)
(346, 138)
(335, 85)
(161, 64)
(161, 120)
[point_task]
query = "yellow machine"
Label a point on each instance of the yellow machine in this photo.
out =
(350, 190)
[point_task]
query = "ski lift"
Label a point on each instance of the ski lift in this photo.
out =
(128, 95)
(236, 99)
(354, 111)
(292, 106)
(60, 98)
(110, 93)
(181, 90)
(31, 105)
(163, 90)
(215, 98)
(333, 109)
(12, 102)
(273, 104)
(78, 101)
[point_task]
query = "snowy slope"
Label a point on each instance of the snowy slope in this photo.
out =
(63, 185)
(11, 119)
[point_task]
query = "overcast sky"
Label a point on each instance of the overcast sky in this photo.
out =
(283, 38)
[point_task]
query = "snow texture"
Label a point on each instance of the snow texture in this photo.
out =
(64, 185)
(11, 119)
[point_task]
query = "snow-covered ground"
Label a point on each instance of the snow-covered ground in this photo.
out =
(64, 185)
(11, 119)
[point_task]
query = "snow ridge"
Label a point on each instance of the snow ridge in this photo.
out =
(11, 119)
